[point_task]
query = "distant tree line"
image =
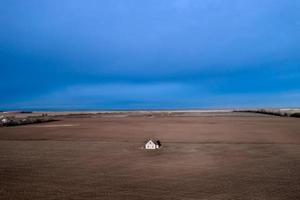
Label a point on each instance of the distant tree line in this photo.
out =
(272, 112)
(13, 121)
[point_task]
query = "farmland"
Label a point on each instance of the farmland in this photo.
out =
(203, 156)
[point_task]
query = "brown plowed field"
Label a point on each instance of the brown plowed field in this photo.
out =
(206, 156)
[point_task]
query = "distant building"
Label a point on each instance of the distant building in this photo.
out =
(4, 121)
(152, 144)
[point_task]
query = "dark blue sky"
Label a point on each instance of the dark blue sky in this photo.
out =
(133, 54)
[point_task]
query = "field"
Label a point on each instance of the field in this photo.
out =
(209, 156)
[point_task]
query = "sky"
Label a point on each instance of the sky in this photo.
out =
(158, 54)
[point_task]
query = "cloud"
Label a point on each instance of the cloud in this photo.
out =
(112, 95)
(168, 95)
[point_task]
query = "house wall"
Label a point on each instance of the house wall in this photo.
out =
(150, 145)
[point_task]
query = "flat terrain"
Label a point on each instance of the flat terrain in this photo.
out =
(207, 156)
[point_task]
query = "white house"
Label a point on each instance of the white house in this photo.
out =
(152, 144)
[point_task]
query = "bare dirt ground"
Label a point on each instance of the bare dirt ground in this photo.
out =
(205, 156)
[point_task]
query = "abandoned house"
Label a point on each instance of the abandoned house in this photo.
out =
(152, 144)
